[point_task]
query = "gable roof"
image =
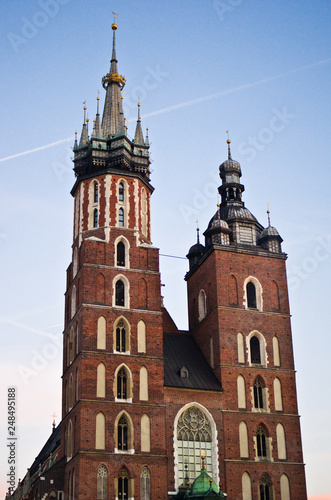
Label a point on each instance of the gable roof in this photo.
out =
(180, 350)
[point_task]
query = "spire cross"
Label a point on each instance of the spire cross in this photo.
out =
(268, 212)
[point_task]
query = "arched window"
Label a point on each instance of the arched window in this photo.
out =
(102, 483)
(141, 333)
(143, 384)
(246, 485)
(261, 443)
(71, 392)
(275, 346)
(243, 440)
(123, 485)
(274, 292)
(100, 433)
(101, 381)
(278, 395)
(122, 380)
(122, 434)
(71, 345)
(121, 337)
(119, 293)
(202, 305)
(69, 441)
(121, 192)
(145, 484)
(241, 392)
(96, 192)
(194, 435)
(251, 295)
(233, 290)
(121, 254)
(265, 489)
(284, 487)
(101, 333)
(95, 217)
(121, 217)
(255, 350)
(281, 444)
(73, 301)
(258, 394)
(145, 433)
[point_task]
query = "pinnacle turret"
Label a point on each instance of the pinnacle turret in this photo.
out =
(97, 129)
(84, 134)
(138, 136)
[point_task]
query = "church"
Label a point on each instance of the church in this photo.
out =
(149, 411)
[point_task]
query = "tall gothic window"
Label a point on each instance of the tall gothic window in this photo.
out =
(95, 217)
(251, 295)
(261, 442)
(121, 192)
(96, 192)
(258, 394)
(193, 436)
(120, 337)
(102, 483)
(123, 485)
(120, 254)
(122, 434)
(121, 217)
(265, 489)
(122, 384)
(145, 484)
(255, 350)
(119, 293)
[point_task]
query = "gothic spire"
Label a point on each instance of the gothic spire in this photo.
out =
(113, 84)
(84, 134)
(138, 136)
(97, 130)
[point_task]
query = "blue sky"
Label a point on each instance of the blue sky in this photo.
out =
(260, 69)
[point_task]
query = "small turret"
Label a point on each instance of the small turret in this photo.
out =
(138, 136)
(84, 135)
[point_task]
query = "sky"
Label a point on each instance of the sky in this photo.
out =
(260, 69)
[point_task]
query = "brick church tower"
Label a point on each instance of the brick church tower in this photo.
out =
(239, 317)
(113, 412)
(150, 412)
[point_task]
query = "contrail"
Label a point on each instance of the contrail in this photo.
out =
(235, 89)
(37, 149)
(187, 103)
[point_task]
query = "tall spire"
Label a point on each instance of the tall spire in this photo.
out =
(113, 83)
(138, 136)
(97, 130)
(84, 134)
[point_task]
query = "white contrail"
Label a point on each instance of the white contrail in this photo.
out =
(187, 103)
(235, 89)
(37, 149)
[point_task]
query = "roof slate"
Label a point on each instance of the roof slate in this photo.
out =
(180, 350)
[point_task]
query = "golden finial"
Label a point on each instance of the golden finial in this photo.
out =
(87, 120)
(228, 143)
(203, 458)
(54, 417)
